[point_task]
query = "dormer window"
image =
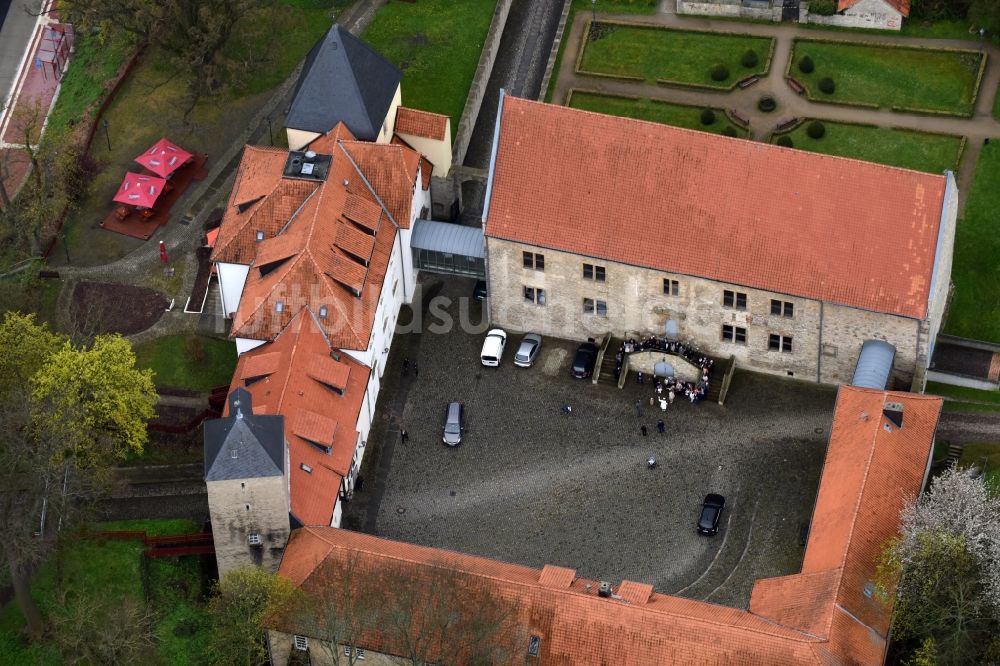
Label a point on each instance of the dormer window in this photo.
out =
(279, 306)
(260, 235)
(306, 468)
(323, 312)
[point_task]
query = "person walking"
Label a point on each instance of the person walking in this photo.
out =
(638, 408)
(403, 436)
(638, 377)
(416, 369)
(406, 365)
(660, 426)
(643, 429)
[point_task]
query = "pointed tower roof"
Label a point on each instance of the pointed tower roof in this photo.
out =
(244, 445)
(343, 80)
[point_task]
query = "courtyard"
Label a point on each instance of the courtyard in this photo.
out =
(532, 485)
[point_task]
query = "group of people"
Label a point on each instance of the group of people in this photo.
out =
(669, 388)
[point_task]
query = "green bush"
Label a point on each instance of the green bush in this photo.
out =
(785, 140)
(826, 85)
(749, 59)
(823, 7)
(719, 73)
(707, 117)
(729, 131)
(806, 65)
(816, 130)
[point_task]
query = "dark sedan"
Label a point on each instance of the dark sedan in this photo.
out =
(711, 512)
(583, 362)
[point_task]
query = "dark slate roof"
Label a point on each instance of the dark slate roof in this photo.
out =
(257, 439)
(343, 80)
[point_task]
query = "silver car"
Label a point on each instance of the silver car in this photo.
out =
(527, 351)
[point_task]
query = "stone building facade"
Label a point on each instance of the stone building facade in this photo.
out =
(805, 325)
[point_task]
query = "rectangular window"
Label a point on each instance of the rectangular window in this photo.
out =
(782, 343)
(734, 299)
(592, 306)
(534, 295)
(782, 308)
(602, 309)
(301, 643)
(533, 260)
(592, 272)
(254, 539)
(359, 653)
(671, 287)
(734, 334)
(534, 646)
(588, 306)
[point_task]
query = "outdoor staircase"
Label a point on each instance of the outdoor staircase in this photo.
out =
(954, 453)
(719, 370)
(607, 376)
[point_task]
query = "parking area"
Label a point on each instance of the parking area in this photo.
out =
(532, 485)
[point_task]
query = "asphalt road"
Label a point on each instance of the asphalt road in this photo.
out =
(16, 28)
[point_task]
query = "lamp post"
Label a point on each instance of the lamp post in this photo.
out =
(270, 136)
(982, 36)
(593, 10)
(65, 246)
(107, 136)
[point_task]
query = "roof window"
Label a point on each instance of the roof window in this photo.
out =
(260, 235)
(279, 306)
(323, 312)
(306, 468)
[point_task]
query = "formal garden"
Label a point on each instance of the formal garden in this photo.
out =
(922, 151)
(904, 78)
(712, 120)
(682, 57)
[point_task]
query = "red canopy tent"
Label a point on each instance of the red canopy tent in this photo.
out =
(163, 158)
(139, 190)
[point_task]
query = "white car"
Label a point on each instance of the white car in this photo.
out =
(493, 346)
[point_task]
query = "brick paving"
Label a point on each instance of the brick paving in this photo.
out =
(532, 485)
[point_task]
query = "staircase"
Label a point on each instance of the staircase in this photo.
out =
(607, 376)
(719, 370)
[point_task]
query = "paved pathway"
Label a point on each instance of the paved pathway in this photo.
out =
(981, 126)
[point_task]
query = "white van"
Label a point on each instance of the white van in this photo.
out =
(493, 348)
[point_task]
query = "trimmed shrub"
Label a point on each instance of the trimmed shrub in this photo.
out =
(719, 73)
(729, 131)
(816, 130)
(826, 85)
(784, 140)
(767, 104)
(707, 117)
(749, 59)
(823, 7)
(806, 65)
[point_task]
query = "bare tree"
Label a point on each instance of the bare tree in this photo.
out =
(96, 629)
(346, 607)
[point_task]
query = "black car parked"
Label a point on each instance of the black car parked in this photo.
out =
(711, 512)
(583, 362)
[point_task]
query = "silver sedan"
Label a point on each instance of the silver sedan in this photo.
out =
(527, 351)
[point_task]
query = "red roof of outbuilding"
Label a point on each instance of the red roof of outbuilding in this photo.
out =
(820, 616)
(421, 123)
(737, 211)
(320, 398)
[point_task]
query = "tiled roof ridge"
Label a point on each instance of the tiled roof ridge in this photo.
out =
(364, 178)
(454, 561)
(755, 145)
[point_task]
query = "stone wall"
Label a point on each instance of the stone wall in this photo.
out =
(865, 14)
(233, 522)
(826, 338)
(729, 8)
(477, 91)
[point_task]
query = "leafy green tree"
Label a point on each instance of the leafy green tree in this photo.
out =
(241, 601)
(66, 414)
(985, 14)
(947, 564)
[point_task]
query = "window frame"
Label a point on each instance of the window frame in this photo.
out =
(735, 300)
(589, 305)
(780, 308)
(595, 273)
(736, 335)
(300, 643)
(779, 342)
(534, 261)
(536, 297)
(671, 287)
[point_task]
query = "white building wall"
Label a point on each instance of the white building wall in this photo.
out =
(244, 345)
(438, 151)
(299, 139)
(875, 14)
(389, 122)
(232, 279)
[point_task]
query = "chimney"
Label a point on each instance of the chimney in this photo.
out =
(604, 590)
(893, 411)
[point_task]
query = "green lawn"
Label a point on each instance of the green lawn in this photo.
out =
(932, 153)
(31, 295)
(609, 6)
(962, 399)
(979, 453)
(437, 44)
(111, 570)
(975, 305)
(682, 56)
(679, 115)
(190, 362)
(891, 76)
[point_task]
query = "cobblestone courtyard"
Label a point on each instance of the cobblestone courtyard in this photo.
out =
(532, 485)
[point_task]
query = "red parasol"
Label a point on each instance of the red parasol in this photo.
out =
(139, 190)
(163, 253)
(163, 158)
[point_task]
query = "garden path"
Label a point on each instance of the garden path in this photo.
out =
(980, 126)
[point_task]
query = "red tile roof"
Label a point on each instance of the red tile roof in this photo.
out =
(426, 167)
(901, 6)
(326, 244)
(737, 211)
(820, 616)
(421, 123)
(295, 376)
